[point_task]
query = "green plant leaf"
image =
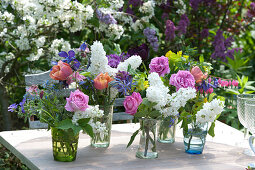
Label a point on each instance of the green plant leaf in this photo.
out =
(83, 122)
(211, 97)
(65, 124)
(132, 138)
(88, 129)
(211, 129)
(231, 91)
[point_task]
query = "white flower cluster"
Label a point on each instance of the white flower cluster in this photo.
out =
(148, 8)
(99, 128)
(181, 7)
(178, 100)
(210, 111)
(157, 92)
(134, 61)
(90, 112)
(99, 61)
(59, 45)
(116, 4)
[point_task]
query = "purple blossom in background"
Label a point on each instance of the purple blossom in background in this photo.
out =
(221, 46)
(142, 51)
(105, 18)
(123, 75)
(164, 16)
(12, 107)
(150, 34)
(183, 24)
(230, 53)
(170, 30)
(135, 3)
(251, 11)
(123, 82)
(194, 4)
(114, 59)
(204, 33)
(130, 11)
(22, 103)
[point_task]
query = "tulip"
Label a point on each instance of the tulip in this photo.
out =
(198, 74)
(102, 80)
(61, 71)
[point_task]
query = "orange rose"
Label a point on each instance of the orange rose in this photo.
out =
(198, 74)
(102, 80)
(61, 71)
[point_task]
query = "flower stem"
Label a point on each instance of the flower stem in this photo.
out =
(146, 141)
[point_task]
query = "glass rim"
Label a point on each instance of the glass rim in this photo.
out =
(242, 96)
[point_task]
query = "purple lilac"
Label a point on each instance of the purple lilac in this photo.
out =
(251, 11)
(105, 18)
(204, 33)
(123, 75)
(183, 24)
(194, 4)
(12, 107)
(170, 30)
(150, 34)
(164, 16)
(219, 46)
(135, 3)
(142, 51)
(114, 59)
(230, 53)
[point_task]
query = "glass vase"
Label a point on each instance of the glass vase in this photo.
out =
(99, 140)
(166, 129)
(147, 144)
(194, 138)
(64, 144)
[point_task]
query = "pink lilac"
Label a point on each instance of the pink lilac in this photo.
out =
(183, 79)
(160, 65)
(170, 30)
(251, 11)
(183, 24)
(142, 51)
(75, 77)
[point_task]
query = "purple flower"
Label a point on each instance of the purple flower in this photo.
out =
(142, 51)
(114, 59)
(183, 24)
(22, 103)
(204, 33)
(219, 45)
(123, 76)
(194, 4)
(77, 101)
(123, 82)
(12, 107)
(160, 65)
(150, 34)
(228, 42)
(164, 16)
(170, 30)
(251, 11)
(230, 53)
(183, 79)
(105, 18)
(70, 58)
(135, 3)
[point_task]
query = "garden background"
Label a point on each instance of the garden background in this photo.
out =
(221, 32)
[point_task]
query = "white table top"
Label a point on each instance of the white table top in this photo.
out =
(224, 151)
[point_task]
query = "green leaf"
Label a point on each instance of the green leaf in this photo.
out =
(211, 97)
(231, 91)
(88, 129)
(132, 138)
(83, 122)
(201, 59)
(211, 129)
(76, 129)
(249, 92)
(65, 124)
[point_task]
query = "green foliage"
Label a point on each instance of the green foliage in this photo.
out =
(245, 86)
(132, 138)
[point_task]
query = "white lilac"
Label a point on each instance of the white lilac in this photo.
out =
(157, 92)
(210, 111)
(134, 61)
(178, 100)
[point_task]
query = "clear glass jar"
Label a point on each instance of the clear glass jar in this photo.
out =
(147, 144)
(166, 128)
(103, 141)
(195, 137)
(64, 144)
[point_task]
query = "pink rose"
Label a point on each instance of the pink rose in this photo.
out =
(160, 65)
(183, 79)
(77, 101)
(132, 102)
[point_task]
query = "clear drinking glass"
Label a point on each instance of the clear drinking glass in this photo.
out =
(250, 123)
(241, 98)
